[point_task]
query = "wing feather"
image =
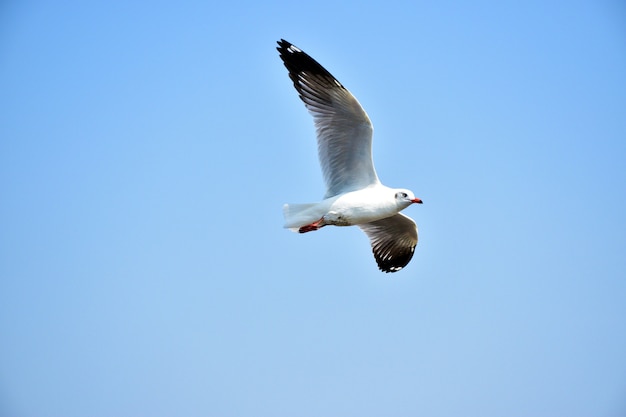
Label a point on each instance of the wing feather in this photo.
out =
(393, 241)
(344, 131)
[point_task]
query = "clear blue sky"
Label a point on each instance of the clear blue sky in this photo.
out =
(146, 149)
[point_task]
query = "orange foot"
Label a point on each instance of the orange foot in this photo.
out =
(311, 227)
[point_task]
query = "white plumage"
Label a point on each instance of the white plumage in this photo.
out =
(354, 194)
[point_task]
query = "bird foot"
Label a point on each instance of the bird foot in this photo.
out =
(311, 227)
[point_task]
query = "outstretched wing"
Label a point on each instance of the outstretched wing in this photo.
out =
(344, 132)
(393, 241)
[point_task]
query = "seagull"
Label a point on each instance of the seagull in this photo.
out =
(354, 194)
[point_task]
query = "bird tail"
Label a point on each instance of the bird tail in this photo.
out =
(298, 215)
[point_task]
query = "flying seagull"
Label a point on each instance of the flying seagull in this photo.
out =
(354, 194)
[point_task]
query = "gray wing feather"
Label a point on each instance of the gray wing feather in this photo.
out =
(344, 131)
(393, 241)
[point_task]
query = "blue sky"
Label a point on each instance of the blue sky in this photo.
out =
(146, 150)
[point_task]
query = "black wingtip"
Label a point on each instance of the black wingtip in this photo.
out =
(297, 61)
(285, 46)
(394, 263)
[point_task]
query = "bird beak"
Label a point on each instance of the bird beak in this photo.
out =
(416, 200)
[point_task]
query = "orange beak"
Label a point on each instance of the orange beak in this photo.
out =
(416, 200)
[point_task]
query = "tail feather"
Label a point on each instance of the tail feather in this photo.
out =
(298, 215)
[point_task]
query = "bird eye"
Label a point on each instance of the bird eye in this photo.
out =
(404, 195)
(401, 195)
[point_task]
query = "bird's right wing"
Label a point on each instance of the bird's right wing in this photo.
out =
(393, 241)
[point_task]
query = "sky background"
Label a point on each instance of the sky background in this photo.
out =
(146, 149)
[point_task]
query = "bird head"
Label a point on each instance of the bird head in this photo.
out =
(405, 198)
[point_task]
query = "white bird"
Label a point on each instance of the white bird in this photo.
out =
(354, 194)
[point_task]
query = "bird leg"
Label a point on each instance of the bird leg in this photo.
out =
(313, 226)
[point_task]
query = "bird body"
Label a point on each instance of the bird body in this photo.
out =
(354, 194)
(348, 209)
